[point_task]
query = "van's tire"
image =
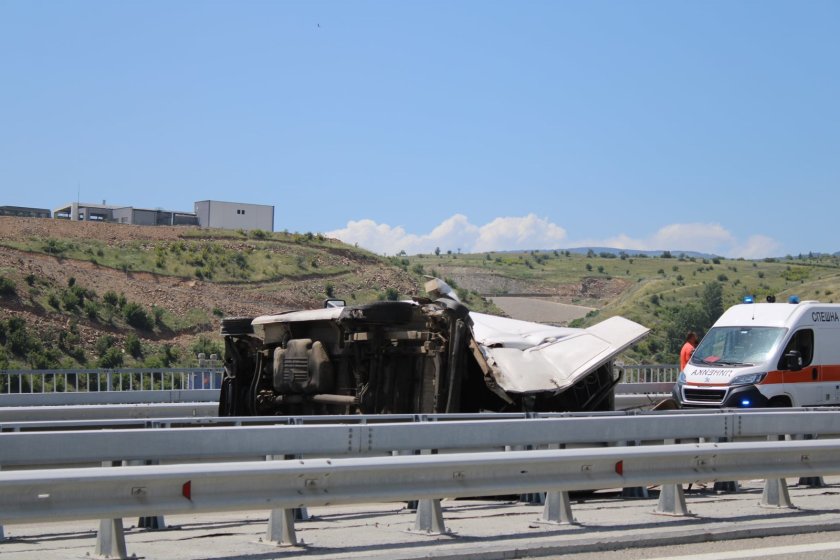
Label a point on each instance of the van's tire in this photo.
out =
(237, 326)
(779, 402)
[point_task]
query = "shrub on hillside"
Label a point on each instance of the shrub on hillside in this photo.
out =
(18, 340)
(70, 299)
(169, 355)
(113, 358)
(44, 358)
(133, 346)
(137, 317)
(110, 298)
(92, 310)
(206, 346)
(7, 287)
(157, 314)
(105, 343)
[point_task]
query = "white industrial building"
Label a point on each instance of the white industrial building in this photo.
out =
(234, 215)
(208, 214)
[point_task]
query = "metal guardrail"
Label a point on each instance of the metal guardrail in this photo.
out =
(83, 413)
(90, 493)
(193, 440)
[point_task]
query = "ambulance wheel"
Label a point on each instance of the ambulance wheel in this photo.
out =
(779, 402)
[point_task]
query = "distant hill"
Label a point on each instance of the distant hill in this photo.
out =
(658, 291)
(636, 252)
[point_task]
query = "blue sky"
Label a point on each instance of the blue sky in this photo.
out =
(407, 125)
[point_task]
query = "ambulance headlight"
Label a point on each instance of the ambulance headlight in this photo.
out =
(748, 379)
(681, 378)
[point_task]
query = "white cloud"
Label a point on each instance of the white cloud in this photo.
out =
(532, 232)
(756, 247)
(702, 238)
(529, 232)
(453, 234)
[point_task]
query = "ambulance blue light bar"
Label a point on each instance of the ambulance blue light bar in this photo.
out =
(748, 299)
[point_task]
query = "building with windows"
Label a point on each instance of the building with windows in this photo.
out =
(25, 212)
(85, 212)
(234, 215)
(208, 213)
(147, 217)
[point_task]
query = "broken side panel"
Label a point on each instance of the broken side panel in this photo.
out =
(557, 358)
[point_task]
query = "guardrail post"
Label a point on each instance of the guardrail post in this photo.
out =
(533, 498)
(558, 509)
(149, 522)
(633, 491)
(672, 501)
(281, 521)
(775, 494)
(726, 486)
(811, 481)
(281, 527)
(110, 539)
(429, 518)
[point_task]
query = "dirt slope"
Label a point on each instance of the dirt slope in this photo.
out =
(195, 304)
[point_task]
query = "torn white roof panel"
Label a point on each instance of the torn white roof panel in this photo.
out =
(492, 330)
(557, 364)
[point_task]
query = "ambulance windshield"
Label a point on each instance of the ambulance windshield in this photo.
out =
(737, 346)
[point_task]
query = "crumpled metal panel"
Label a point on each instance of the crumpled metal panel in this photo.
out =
(550, 358)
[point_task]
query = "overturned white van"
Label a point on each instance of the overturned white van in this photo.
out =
(766, 354)
(429, 355)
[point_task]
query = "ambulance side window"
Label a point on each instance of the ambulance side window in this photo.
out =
(803, 341)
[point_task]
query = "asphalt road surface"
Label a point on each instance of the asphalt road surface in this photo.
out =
(805, 546)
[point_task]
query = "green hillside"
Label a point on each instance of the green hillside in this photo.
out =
(666, 293)
(108, 295)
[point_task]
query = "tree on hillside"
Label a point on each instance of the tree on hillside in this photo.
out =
(692, 317)
(712, 302)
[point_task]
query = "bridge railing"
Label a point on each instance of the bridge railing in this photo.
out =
(98, 380)
(186, 379)
(648, 373)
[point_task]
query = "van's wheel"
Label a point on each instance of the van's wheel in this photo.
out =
(779, 402)
(237, 326)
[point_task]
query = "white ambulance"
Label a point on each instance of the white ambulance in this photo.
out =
(766, 354)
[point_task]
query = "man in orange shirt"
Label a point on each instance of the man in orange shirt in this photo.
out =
(688, 349)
